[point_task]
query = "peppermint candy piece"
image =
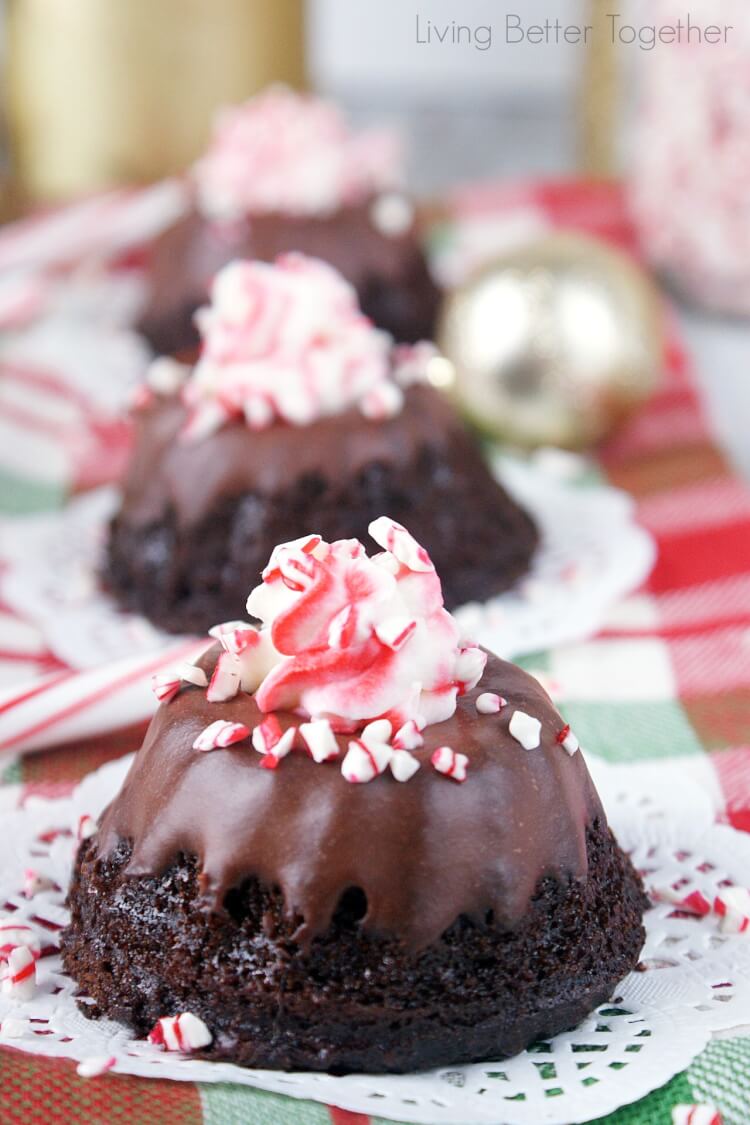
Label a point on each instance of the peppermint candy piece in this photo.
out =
(235, 636)
(14, 935)
(95, 1066)
(268, 738)
(165, 685)
(220, 734)
(408, 737)
(383, 401)
(732, 904)
(403, 765)
(306, 545)
(692, 902)
(489, 703)
(470, 664)
(391, 536)
(394, 632)
(364, 761)
(185, 1032)
(525, 729)
(378, 731)
(568, 740)
(320, 740)
(87, 827)
(447, 761)
(192, 674)
(165, 376)
(225, 680)
(699, 1113)
(19, 981)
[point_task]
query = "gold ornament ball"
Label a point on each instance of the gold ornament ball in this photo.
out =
(554, 342)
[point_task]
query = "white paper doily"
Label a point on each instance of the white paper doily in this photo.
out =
(655, 1024)
(592, 553)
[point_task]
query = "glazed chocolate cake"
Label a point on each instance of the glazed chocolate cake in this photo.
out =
(351, 841)
(285, 173)
(296, 419)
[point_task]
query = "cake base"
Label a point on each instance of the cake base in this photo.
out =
(146, 947)
(199, 522)
(390, 273)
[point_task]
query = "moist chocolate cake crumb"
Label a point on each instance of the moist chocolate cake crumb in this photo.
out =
(143, 947)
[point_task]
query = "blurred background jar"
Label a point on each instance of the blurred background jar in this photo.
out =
(101, 92)
(691, 154)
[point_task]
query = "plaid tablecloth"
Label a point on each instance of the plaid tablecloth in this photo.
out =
(668, 677)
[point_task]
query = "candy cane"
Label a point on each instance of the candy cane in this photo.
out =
(192, 674)
(488, 703)
(408, 737)
(732, 904)
(235, 636)
(469, 666)
(268, 739)
(691, 902)
(364, 761)
(165, 685)
(567, 740)
(394, 632)
(225, 680)
(320, 740)
(391, 536)
(403, 765)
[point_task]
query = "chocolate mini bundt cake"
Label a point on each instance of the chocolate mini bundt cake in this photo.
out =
(284, 173)
(298, 414)
(351, 841)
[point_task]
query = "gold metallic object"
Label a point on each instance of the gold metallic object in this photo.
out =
(104, 92)
(554, 342)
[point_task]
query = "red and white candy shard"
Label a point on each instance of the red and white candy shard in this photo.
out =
(225, 679)
(364, 761)
(19, 974)
(185, 1032)
(525, 729)
(320, 740)
(489, 703)
(192, 674)
(13, 935)
(568, 740)
(447, 761)
(86, 828)
(286, 341)
(235, 636)
(732, 904)
(268, 738)
(394, 537)
(95, 1066)
(403, 765)
(696, 1114)
(165, 685)
(689, 901)
(408, 737)
(220, 734)
(293, 153)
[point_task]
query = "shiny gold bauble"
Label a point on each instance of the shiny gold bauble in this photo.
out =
(554, 342)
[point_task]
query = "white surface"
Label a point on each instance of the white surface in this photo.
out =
(668, 1012)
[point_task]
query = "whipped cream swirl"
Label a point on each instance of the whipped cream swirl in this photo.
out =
(288, 342)
(291, 153)
(350, 638)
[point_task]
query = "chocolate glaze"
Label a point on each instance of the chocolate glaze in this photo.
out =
(389, 272)
(193, 477)
(424, 852)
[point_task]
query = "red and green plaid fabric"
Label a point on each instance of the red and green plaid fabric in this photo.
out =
(668, 677)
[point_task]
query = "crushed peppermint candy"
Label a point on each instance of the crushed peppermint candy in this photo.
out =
(525, 729)
(447, 761)
(192, 674)
(235, 636)
(220, 734)
(732, 904)
(165, 685)
(696, 1113)
(689, 901)
(19, 974)
(320, 740)
(403, 765)
(95, 1066)
(293, 153)
(225, 679)
(568, 740)
(489, 703)
(185, 1032)
(287, 341)
(13, 935)
(86, 828)
(269, 739)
